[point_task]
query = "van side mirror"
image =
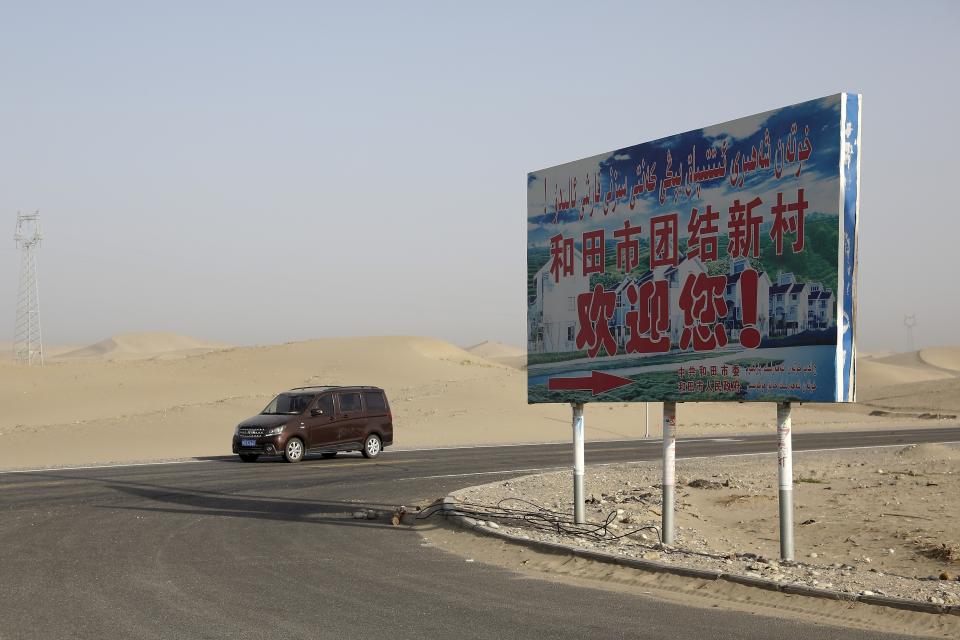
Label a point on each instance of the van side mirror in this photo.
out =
(316, 412)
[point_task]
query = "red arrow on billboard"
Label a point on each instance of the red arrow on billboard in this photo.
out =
(597, 382)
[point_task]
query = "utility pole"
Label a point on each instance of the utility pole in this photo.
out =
(27, 342)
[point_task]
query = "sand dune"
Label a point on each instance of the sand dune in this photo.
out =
(942, 357)
(946, 359)
(880, 373)
(925, 382)
(143, 345)
(123, 400)
(873, 355)
(501, 353)
(491, 349)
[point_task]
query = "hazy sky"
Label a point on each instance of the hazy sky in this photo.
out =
(274, 171)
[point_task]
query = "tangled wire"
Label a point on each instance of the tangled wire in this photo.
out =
(537, 517)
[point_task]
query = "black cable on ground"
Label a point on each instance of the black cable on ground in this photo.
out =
(538, 517)
(544, 519)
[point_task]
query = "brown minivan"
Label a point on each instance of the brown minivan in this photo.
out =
(322, 419)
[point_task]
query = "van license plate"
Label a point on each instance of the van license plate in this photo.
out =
(248, 443)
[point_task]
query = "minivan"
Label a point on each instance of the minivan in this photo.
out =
(327, 420)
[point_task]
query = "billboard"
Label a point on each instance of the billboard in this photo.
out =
(713, 265)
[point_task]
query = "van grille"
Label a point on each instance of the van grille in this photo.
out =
(254, 432)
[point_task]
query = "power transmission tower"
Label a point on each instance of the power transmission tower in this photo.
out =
(910, 322)
(27, 343)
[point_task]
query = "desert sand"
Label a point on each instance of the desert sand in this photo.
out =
(152, 396)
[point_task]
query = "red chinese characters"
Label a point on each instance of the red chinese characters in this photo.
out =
(663, 240)
(652, 317)
(703, 306)
(744, 229)
(749, 334)
(561, 257)
(703, 230)
(788, 219)
(628, 247)
(593, 252)
(595, 308)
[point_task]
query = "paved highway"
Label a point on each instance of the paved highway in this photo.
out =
(221, 549)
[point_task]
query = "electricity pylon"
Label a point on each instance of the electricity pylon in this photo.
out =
(27, 342)
(910, 321)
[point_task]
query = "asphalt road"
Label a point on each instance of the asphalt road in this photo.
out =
(221, 549)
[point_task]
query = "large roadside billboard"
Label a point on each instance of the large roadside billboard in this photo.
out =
(717, 264)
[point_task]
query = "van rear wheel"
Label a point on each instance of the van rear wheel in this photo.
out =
(293, 452)
(372, 446)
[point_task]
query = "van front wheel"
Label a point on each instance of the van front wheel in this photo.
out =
(372, 446)
(293, 452)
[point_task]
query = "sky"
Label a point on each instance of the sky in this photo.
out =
(257, 173)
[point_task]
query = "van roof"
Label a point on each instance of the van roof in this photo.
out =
(319, 388)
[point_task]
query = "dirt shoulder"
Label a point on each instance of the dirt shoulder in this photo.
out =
(878, 521)
(535, 565)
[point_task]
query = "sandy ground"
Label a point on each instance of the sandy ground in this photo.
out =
(158, 396)
(879, 520)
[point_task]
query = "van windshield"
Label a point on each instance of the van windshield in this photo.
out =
(288, 404)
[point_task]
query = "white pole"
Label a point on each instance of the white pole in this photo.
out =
(578, 517)
(669, 471)
(785, 473)
(646, 419)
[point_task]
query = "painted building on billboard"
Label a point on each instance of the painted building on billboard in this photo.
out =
(717, 264)
(821, 309)
(800, 306)
(551, 317)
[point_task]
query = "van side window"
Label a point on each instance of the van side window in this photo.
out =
(325, 405)
(299, 402)
(375, 403)
(349, 402)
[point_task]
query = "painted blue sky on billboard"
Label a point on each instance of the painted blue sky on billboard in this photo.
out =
(821, 116)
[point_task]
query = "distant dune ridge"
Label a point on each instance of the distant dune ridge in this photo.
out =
(941, 363)
(160, 395)
(942, 357)
(49, 350)
(501, 353)
(144, 345)
(491, 349)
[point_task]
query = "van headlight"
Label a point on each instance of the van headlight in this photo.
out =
(273, 431)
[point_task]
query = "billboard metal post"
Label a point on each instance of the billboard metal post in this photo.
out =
(646, 419)
(578, 517)
(669, 475)
(785, 472)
